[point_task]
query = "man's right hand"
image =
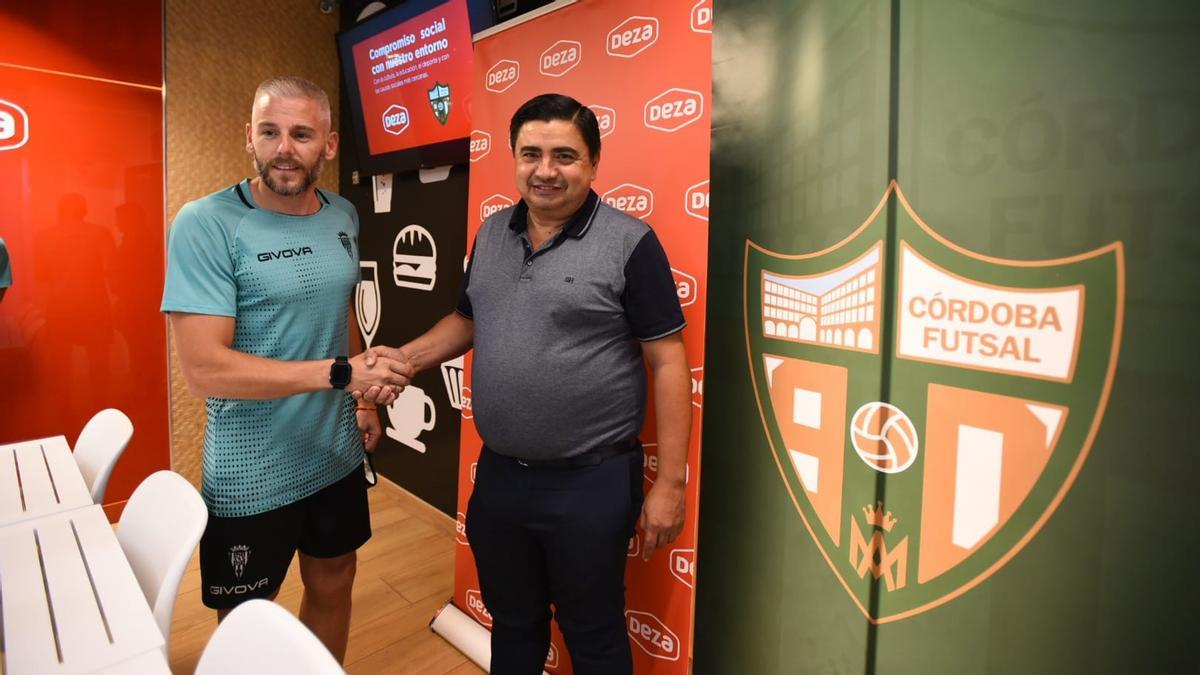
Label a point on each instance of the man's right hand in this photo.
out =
(384, 368)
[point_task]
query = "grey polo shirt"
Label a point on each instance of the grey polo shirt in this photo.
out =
(558, 365)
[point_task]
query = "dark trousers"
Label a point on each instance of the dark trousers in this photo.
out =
(552, 535)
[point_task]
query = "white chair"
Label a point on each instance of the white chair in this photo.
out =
(261, 637)
(100, 444)
(158, 531)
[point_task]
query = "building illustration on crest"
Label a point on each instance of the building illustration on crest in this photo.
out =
(836, 309)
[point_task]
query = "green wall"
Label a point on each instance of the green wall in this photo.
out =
(1017, 130)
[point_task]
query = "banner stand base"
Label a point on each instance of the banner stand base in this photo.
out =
(464, 634)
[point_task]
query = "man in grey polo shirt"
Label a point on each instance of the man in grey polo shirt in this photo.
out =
(564, 296)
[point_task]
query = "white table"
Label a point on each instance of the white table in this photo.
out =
(70, 602)
(38, 478)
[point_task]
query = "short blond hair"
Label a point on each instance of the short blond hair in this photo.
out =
(290, 86)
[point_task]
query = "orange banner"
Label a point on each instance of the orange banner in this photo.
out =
(647, 74)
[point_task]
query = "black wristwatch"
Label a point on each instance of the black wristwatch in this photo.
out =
(339, 372)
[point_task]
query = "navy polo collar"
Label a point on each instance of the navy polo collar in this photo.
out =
(577, 226)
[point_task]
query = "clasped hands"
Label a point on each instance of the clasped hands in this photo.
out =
(379, 374)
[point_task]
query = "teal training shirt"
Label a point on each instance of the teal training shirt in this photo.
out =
(287, 282)
(5, 268)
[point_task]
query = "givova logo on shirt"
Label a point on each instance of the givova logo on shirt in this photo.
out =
(268, 256)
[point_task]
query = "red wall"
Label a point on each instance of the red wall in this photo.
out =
(81, 212)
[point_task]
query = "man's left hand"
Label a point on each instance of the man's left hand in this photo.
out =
(368, 424)
(662, 517)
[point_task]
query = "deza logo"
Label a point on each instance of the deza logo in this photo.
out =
(652, 635)
(635, 200)
(673, 109)
(14, 126)
(685, 287)
(268, 256)
(502, 76)
(560, 58)
(395, 119)
(481, 144)
(493, 204)
(683, 565)
(460, 529)
(606, 118)
(476, 606)
(632, 36)
(696, 200)
(702, 16)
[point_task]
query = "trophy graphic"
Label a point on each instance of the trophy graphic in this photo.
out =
(452, 375)
(366, 300)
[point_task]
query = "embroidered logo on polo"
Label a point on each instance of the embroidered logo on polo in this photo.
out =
(1000, 372)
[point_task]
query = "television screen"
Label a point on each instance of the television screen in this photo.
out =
(407, 73)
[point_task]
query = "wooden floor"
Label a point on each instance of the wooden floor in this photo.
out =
(405, 574)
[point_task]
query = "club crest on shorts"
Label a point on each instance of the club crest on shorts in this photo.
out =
(925, 483)
(238, 557)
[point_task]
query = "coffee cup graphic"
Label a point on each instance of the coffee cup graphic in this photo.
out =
(410, 414)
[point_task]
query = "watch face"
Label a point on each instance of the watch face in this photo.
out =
(339, 374)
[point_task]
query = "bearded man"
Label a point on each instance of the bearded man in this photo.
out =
(259, 283)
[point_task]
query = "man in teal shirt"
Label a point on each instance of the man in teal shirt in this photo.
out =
(5, 270)
(259, 281)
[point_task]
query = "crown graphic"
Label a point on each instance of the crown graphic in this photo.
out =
(876, 516)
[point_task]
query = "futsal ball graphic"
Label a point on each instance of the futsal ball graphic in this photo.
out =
(884, 437)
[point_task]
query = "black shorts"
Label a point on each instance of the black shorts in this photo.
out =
(248, 557)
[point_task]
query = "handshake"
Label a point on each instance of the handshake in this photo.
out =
(379, 374)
